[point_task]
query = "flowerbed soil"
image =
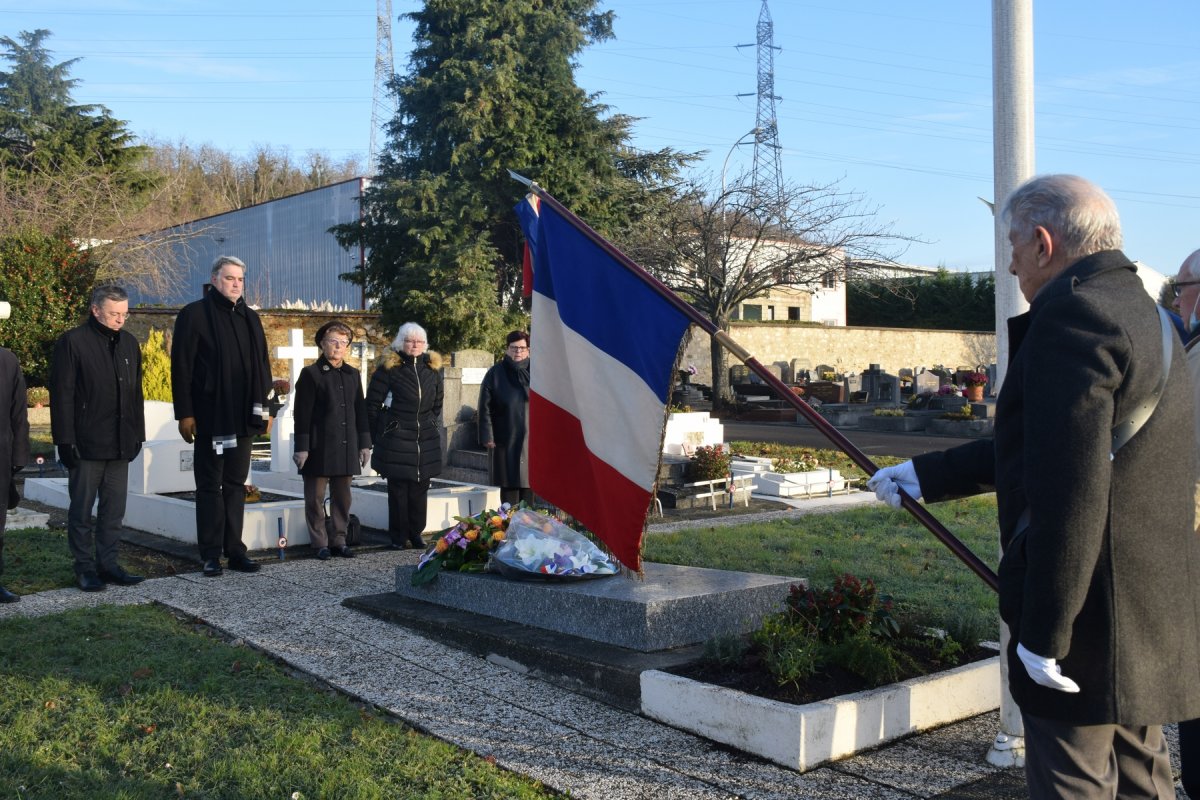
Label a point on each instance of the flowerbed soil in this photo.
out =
(750, 675)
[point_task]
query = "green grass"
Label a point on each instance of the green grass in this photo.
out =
(132, 703)
(888, 546)
(38, 559)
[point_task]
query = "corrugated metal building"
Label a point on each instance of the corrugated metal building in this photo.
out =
(289, 253)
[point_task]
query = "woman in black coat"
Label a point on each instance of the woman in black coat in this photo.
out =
(333, 440)
(503, 419)
(404, 403)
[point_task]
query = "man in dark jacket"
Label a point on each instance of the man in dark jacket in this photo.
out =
(1098, 577)
(220, 376)
(14, 440)
(98, 424)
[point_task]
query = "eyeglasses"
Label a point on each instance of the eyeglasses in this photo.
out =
(516, 348)
(336, 343)
(1178, 287)
(414, 341)
(115, 314)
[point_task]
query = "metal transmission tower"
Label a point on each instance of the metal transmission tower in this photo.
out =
(768, 175)
(382, 108)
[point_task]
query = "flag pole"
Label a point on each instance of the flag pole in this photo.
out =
(920, 512)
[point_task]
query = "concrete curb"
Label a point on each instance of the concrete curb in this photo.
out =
(803, 737)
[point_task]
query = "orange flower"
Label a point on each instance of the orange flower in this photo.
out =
(441, 546)
(498, 536)
(472, 534)
(496, 522)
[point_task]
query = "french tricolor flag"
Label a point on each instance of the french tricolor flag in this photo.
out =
(605, 344)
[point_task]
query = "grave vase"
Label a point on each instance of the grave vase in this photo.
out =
(975, 393)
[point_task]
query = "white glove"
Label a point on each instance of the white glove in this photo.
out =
(300, 458)
(1045, 671)
(364, 456)
(887, 482)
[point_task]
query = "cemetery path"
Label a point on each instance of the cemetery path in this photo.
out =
(571, 743)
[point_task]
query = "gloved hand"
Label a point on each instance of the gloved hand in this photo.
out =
(300, 457)
(187, 429)
(1045, 671)
(68, 454)
(887, 482)
(364, 456)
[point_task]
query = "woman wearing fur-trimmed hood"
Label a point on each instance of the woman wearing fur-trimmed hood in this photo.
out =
(404, 406)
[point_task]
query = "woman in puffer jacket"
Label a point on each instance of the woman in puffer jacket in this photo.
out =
(404, 406)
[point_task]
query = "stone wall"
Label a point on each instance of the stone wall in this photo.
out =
(276, 324)
(848, 349)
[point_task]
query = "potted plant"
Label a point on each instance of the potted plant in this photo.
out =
(975, 381)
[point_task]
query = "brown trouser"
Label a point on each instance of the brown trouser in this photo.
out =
(314, 509)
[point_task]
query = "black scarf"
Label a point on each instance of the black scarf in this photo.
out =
(252, 405)
(520, 371)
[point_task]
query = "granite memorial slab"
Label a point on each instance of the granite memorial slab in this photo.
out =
(672, 606)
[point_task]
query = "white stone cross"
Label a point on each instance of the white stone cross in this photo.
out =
(297, 355)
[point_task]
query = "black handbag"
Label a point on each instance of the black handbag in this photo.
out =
(353, 527)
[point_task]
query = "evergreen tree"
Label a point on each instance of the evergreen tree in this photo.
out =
(43, 131)
(491, 88)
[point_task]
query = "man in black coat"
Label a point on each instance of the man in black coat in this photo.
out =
(1098, 581)
(98, 423)
(14, 441)
(220, 376)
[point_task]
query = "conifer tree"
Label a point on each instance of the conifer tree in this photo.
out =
(490, 88)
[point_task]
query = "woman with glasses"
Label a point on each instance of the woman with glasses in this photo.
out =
(333, 440)
(404, 403)
(503, 419)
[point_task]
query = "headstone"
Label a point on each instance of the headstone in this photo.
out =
(801, 370)
(775, 370)
(853, 384)
(738, 373)
(880, 387)
(165, 461)
(825, 391)
(926, 382)
(297, 354)
(687, 431)
(822, 370)
(460, 385)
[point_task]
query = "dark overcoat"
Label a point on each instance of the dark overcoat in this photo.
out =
(331, 419)
(220, 372)
(14, 429)
(1105, 577)
(404, 406)
(503, 415)
(96, 392)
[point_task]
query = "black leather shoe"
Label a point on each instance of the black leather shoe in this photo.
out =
(120, 577)
(323, 553)
(90, 582)
(395, 546)
(243, 564)
(343, 551)
(212, 568)
(8, 597)
(417, 542)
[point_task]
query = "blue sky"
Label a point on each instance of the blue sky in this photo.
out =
(892, 101)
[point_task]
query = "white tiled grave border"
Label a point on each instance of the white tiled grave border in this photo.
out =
(803, 737)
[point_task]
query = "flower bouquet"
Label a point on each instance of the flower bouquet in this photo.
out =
(540, 546)
(466, 547)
